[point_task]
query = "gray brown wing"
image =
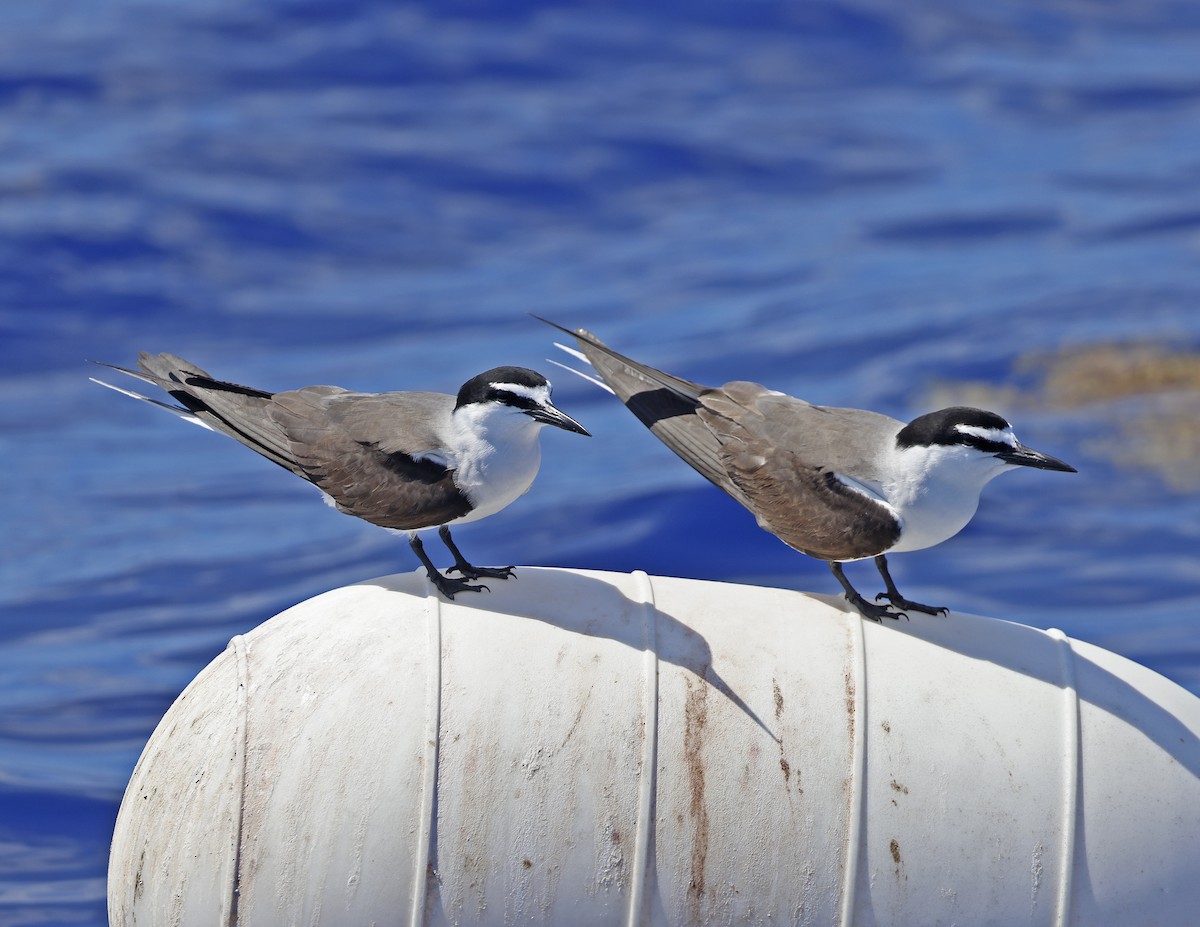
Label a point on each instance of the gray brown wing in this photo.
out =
(354, 446)
(849, 441)
(774, 462)
(362, 449)
(241, 412)
(663, 403)
(404, 422)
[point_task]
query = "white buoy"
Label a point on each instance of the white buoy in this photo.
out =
(578, 748)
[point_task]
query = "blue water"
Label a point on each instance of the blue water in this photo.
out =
(851, 201)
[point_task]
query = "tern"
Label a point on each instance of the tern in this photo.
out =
(404, 461)
(836, 484)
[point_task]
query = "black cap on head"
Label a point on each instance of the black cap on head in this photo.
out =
(942, 427)
(963, 426)
(482, 388)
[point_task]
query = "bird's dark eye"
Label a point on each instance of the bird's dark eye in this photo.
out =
(515, 400)
(986, 439)
(987, 445)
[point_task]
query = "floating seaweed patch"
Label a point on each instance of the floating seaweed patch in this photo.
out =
(1148, 393)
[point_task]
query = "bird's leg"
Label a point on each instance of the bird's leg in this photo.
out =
(445, 584)
(896, 599)
(865, 608)
(461, 565)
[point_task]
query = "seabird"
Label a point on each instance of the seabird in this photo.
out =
(835, 484)
(404, 461)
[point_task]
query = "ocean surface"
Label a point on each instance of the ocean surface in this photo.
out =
(861, 202)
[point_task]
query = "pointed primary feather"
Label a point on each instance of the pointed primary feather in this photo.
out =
(241, 412)
(174, 410)
(579, 355)
(663, 403)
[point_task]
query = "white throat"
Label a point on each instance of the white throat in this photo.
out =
(935, 491)
(496, 455)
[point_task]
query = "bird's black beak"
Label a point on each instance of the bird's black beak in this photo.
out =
(1022, 456)
(548, 415)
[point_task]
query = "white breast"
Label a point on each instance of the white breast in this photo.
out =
(497, 455)
(935, 491)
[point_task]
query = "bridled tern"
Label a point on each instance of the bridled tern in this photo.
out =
(403, 461)
(836, 484)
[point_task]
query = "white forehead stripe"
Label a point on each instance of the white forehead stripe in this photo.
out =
(999, 435)
(536, 393)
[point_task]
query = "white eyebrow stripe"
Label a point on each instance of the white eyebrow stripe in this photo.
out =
(536, 393)
(999, 435)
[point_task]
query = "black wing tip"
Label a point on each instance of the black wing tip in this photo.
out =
(203, 381)
(88, 360)
(574, 333)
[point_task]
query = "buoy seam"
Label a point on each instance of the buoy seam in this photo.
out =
(648, 782)
(242, 662)
(1071, 763)
(856, 707)
(433, 708)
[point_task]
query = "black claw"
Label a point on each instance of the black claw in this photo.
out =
(451, 587)
(474, 572)
(874, 612)
(898, 601)
(867, 609)
(895, 599)
(466, 569)
(445, 585)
